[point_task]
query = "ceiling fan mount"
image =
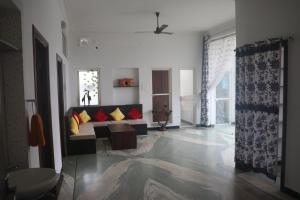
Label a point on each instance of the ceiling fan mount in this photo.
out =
(159, 29)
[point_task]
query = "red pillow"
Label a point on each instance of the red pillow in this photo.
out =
(134, 113)
(100, 116)
(77, 117)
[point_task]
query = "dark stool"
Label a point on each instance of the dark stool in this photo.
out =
(33, 183)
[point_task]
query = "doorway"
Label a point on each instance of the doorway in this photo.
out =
(61, 103)
(3, 147)
(187, 97)
(160, 95)
(42, 93)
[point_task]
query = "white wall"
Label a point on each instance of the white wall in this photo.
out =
(259, 20)
(186, 82)
(143, 51)
(46, 17)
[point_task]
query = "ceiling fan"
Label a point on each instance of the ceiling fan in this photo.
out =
(158, 29)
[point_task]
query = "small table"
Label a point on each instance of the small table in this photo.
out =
(123, 136)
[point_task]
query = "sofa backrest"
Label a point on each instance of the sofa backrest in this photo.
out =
(91, 110)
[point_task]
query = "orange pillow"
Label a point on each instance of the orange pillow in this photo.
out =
(76, 118)
(77, 115)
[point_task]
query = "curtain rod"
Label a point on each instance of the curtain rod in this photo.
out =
(287, 38)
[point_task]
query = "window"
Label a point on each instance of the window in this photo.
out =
(221, 84)
(88, 87)
(223, 100)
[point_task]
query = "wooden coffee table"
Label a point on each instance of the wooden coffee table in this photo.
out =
(123, 136)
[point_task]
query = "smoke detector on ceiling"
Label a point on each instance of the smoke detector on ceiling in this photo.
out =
(87, 42)
(84, 42)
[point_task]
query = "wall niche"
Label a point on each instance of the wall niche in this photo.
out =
(126, 93)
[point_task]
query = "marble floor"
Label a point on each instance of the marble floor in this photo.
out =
(185, 164)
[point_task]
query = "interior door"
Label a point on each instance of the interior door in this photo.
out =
(42, 89)
(3, 147)
(160, 94)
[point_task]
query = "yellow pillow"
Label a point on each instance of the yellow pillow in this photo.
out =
(84, 117)
(74, 126)
(117, 115)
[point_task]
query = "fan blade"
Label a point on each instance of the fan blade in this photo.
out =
(162, 27)
(168, 33)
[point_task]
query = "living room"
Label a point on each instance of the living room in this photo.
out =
(136, 51)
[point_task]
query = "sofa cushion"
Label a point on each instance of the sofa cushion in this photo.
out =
(76, 119)
(91, 110)
(117, 114)
(128, 121)
(86, 131)
(84, 116)
(119, 122)
(100, 116)
(74, 126)
(136, 121)
(134, 113)
(101, 124)
(77, 116)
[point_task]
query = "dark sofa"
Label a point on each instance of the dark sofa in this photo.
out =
(85, 142)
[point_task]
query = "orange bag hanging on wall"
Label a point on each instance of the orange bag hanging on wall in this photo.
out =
(37, 137)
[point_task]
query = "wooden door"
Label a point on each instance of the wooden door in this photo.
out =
(160, 94)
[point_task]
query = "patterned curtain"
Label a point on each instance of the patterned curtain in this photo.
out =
(204, 85)
(257, 106)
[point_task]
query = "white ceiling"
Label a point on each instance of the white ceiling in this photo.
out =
(128, 16)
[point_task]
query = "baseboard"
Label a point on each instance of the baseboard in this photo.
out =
(205, 126)
(290, 192)
(190, 123)
(168, 127)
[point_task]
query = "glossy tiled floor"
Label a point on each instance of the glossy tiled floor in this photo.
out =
(177, 164)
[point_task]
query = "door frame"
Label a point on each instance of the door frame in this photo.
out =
(38, 37)
(3, 139)
(61, 103)
(194, 93)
